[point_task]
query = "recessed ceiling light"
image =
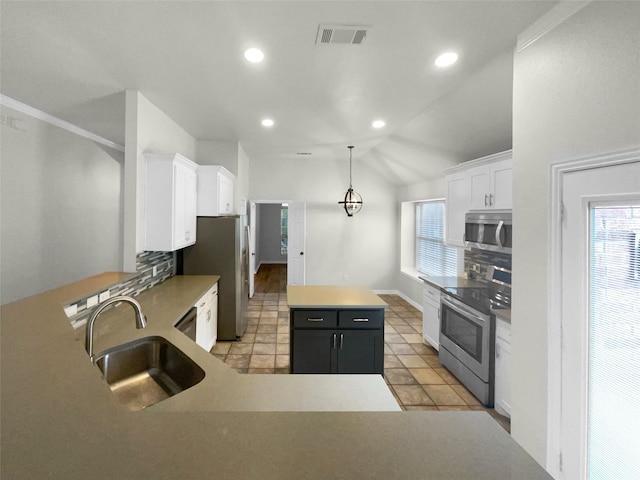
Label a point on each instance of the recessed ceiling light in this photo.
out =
(378, 124)
(254, 55)
(267, 122)
(446, 59)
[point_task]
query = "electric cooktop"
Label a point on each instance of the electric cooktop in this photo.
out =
(481, 299)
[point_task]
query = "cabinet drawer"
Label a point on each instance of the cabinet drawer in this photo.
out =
(431, 294)
(360, 318)
(207, 297)
(315, 318)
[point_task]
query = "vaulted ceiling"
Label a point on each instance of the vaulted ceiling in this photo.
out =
(73, 60)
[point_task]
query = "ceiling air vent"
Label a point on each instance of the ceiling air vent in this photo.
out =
(342, 34)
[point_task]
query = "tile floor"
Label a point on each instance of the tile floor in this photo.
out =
(412, 371)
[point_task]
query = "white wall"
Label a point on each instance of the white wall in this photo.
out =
(148, 129)
(576, 92)
(218, 152)
(242, 178)
(363, 246)
(62, 208)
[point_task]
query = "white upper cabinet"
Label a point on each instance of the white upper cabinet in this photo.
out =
(491, 186)
(482, 184)
(170, 202)
(457, 204)
(215, 191)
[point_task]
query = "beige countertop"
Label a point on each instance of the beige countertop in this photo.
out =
(329, 296)
(59, 419)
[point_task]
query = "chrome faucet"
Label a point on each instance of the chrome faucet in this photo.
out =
(141, 320)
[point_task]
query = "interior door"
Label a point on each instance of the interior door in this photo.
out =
(252, 247)
(600, 345)
(297, 241)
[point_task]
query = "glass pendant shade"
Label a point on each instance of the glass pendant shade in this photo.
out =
(352, 202)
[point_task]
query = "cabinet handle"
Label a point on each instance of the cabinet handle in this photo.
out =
(202, 304)
(438, 313)
(491, 200)
(360, 319)
(315, 319)
(497, 350)
(335, 335)
(208, 315)
(341, 340)
(485, 199)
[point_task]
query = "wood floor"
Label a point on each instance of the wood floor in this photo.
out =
(271, 278)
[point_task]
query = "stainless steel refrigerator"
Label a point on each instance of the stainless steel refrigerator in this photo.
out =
(221, 249)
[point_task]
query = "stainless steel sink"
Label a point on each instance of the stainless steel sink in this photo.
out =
(147, 371)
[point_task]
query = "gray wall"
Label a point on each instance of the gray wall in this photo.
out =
(61, 208)
(576, 93)
(268, 234)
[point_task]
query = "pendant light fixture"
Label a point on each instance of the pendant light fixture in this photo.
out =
(352, 202)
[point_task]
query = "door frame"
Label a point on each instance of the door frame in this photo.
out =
(256, 232)
(554, 295)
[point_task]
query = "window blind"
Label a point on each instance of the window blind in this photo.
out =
(433, 257)
(614, 343)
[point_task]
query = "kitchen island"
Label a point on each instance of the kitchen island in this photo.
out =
(335, 329)
(60, 420)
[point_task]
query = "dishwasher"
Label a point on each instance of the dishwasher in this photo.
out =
(187, 324)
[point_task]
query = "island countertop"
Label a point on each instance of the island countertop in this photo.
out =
(59, 419)
(329, 296)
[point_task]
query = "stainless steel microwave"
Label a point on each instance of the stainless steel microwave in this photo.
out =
(489, 231)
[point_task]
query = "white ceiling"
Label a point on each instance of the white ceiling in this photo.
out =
(73, 60)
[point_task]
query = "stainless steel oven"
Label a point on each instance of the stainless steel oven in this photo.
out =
(467, 346)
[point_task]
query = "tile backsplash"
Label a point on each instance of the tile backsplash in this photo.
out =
(484, 259)
(145, 263)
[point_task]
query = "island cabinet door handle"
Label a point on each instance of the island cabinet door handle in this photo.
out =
(334, 340)
(315, 319)
(341, 340)
(360, 319)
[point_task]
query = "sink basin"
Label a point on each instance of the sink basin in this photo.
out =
(147, 371)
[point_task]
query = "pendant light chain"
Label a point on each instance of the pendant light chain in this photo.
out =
(350, 152)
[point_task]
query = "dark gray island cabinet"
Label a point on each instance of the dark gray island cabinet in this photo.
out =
(336, 330)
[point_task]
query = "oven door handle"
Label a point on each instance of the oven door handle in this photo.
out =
(462, 311)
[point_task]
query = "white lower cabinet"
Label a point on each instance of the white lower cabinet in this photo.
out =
(502, 396)
(207, 319)
(431, 316)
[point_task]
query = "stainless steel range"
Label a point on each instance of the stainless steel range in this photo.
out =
(467, 332)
